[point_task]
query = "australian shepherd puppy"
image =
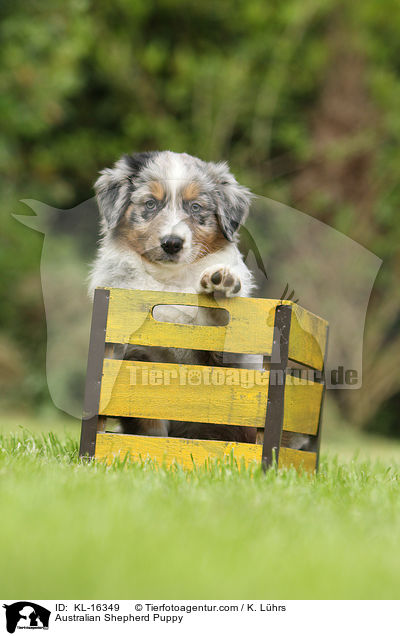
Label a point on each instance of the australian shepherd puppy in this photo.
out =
(169, 222)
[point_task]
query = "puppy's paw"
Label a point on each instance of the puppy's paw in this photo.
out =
(220, 278)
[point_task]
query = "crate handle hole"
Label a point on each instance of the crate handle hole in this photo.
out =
(191, 314)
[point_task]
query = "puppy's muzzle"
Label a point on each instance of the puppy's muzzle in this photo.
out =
(171, 244)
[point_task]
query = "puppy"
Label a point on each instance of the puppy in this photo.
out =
(169, 222)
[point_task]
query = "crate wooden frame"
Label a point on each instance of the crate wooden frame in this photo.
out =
(291, 340)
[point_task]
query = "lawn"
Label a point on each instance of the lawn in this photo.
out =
(73, 530)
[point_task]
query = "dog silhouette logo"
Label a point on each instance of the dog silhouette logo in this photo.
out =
(26, 615)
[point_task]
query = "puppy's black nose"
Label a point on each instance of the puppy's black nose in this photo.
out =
(171, 244)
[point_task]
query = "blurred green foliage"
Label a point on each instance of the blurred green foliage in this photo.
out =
(301, 97)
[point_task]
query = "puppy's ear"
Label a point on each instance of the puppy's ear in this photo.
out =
(115, 185)
(113, 191)
(233, 200)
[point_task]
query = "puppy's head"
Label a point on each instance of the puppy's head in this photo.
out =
(169, 207)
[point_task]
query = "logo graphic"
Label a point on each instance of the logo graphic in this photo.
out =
(26, 615)
(307, 261)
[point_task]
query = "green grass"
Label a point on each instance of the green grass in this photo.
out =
(72, 530)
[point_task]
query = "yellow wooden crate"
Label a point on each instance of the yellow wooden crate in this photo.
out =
(275, 399)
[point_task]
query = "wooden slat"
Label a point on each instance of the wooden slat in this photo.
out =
(302, 406)
(169, 393)
(90, 418)
(301, 460)
(102, 419)
(250, 329)
(308, 337)
(129, 389)
(276, 388)
(188, 452)
(185, 452)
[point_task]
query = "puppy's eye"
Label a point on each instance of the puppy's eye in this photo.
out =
(150, 204)
(195, 207)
